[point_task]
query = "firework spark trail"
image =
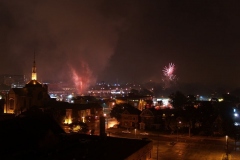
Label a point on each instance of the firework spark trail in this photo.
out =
(82, 78)
(77, 81)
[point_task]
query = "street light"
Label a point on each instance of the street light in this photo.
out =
(157, 146)
(83, 119)
(227, 147)
(177, 129)
(106, 118)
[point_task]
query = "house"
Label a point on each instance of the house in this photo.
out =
(154, 119)
(139, 102)
(68, 113)
(130, 118)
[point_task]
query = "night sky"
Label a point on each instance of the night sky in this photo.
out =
(122, 41)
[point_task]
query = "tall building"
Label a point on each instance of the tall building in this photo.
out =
(33, 94)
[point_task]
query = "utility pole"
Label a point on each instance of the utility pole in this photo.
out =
(157, 146)
(177, 133)
(189, 129)
(178, 124)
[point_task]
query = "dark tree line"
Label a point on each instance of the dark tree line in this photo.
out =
(214, 117)
(118, 109)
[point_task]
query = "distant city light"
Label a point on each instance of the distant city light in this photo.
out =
(52, 95)
(220, 99)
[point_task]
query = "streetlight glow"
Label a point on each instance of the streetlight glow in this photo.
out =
(83, 119)
(227, 147)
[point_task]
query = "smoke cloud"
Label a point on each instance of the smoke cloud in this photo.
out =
(121, 41)
(63, 34)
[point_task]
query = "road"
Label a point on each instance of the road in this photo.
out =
(179, 147)
(171, 147)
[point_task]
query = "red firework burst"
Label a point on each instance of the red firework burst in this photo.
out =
(169, 70)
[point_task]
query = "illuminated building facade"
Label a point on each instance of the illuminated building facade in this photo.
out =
(81, 112)
(139, 102)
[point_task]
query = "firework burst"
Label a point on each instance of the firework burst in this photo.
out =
(168, 71)
(82, 77)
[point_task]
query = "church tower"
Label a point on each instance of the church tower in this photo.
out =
(34, 82)
(34, 94)
(34, 69)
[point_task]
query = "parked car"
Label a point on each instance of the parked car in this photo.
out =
(126, 131)
(144, 133)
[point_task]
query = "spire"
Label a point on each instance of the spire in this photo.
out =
(34, 69)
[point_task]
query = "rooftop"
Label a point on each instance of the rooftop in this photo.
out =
(38, 136)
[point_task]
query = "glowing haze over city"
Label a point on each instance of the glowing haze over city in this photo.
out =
(83, 42)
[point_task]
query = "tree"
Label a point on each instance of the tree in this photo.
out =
(230, 98)
(225, 111)
(206, 115)
(191, 98)
(118, 110)
(145, 92)
(178, 99)
(190, 116)
(134, 92)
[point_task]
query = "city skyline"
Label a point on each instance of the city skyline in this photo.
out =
(121, 41)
